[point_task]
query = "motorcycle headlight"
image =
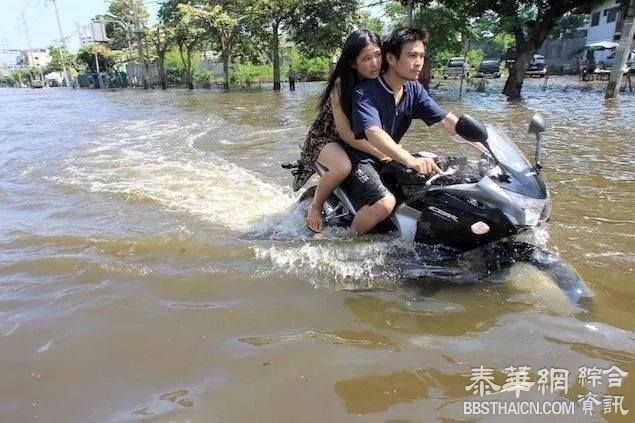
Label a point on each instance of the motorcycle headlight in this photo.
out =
(532, 207)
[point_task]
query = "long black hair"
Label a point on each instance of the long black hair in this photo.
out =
(353, 45)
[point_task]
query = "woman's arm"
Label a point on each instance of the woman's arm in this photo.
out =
(343, 126)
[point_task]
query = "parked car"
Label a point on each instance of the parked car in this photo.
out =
(457, 67)
(489, 68)
(537, 66)
(37, 84)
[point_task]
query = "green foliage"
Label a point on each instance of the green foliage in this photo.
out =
(320, 27)
(364, 20)
(203, 79)
(445, 27)
(107, 57)
(169, 13)
(479, 84)
(258, 31)
(161, 37)
(123, 12)
(310, 68)
(25, 75)
(568, 24)
(175, 77)
(396, 14)
(223, 20)
(247, 74)
(503, 42)
(56, 60)
(441, 58)
(173, 61)
(475, 57)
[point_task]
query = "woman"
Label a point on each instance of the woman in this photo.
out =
(360, 59)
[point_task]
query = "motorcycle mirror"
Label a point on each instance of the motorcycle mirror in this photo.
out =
(471, 129)
(537, 124)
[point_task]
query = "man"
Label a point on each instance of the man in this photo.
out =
(383, 109)
(291, 79)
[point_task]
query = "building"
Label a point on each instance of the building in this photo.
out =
(9, 58)
(38, 58)
(605, 24)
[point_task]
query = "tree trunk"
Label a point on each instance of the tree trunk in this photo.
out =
(276, 57)
(514, 82)
(164, 84)
(225, 55)
(184, 64)
(190, 83)
(426, 74)
(409, 8)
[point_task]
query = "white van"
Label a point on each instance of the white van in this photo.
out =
(457, 67)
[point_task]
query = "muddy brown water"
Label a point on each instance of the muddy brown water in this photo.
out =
(153, 267)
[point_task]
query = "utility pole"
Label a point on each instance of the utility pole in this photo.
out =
(137, 26)
(28, 39)
(467, 47)
(623, 49)
(29, 55)
(409, 13)
(59, 25)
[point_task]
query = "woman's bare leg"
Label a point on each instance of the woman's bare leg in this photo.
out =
(335, 159)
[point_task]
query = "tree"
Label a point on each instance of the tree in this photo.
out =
(321, 27)
(447, 28)
(530, 21)
(272, 16)
(107, 57)
(317, 28)
(55, 65)
(364, 20)
(25, 74)
(224, 20)
(162, 38)
(187, 36)
(119, 34)
(569, 25)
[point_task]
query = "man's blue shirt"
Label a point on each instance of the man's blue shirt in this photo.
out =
(374, 105)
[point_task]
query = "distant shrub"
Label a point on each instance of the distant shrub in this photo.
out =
(247, 74)
(309, 68)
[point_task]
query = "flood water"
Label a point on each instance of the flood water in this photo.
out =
(153, 266)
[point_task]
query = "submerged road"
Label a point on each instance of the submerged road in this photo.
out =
(152, 266)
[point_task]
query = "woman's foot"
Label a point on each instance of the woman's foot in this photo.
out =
(314, 219)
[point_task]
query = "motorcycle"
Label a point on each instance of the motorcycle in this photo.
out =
(482, 203)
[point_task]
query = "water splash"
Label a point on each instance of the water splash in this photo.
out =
(137, 165)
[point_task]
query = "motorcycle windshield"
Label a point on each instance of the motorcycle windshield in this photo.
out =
(506, 151)
(523, 178)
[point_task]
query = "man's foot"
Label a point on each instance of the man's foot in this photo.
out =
(314, 219)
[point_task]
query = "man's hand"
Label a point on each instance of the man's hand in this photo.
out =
(423, 165)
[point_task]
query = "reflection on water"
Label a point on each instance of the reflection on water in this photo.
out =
(153, 258)
(364, 339)
(377, 393)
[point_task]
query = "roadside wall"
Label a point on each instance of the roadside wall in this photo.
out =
(558, 53)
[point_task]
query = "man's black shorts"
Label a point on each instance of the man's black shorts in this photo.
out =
(364, 185)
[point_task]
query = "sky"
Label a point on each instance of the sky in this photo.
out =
(42, 24)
